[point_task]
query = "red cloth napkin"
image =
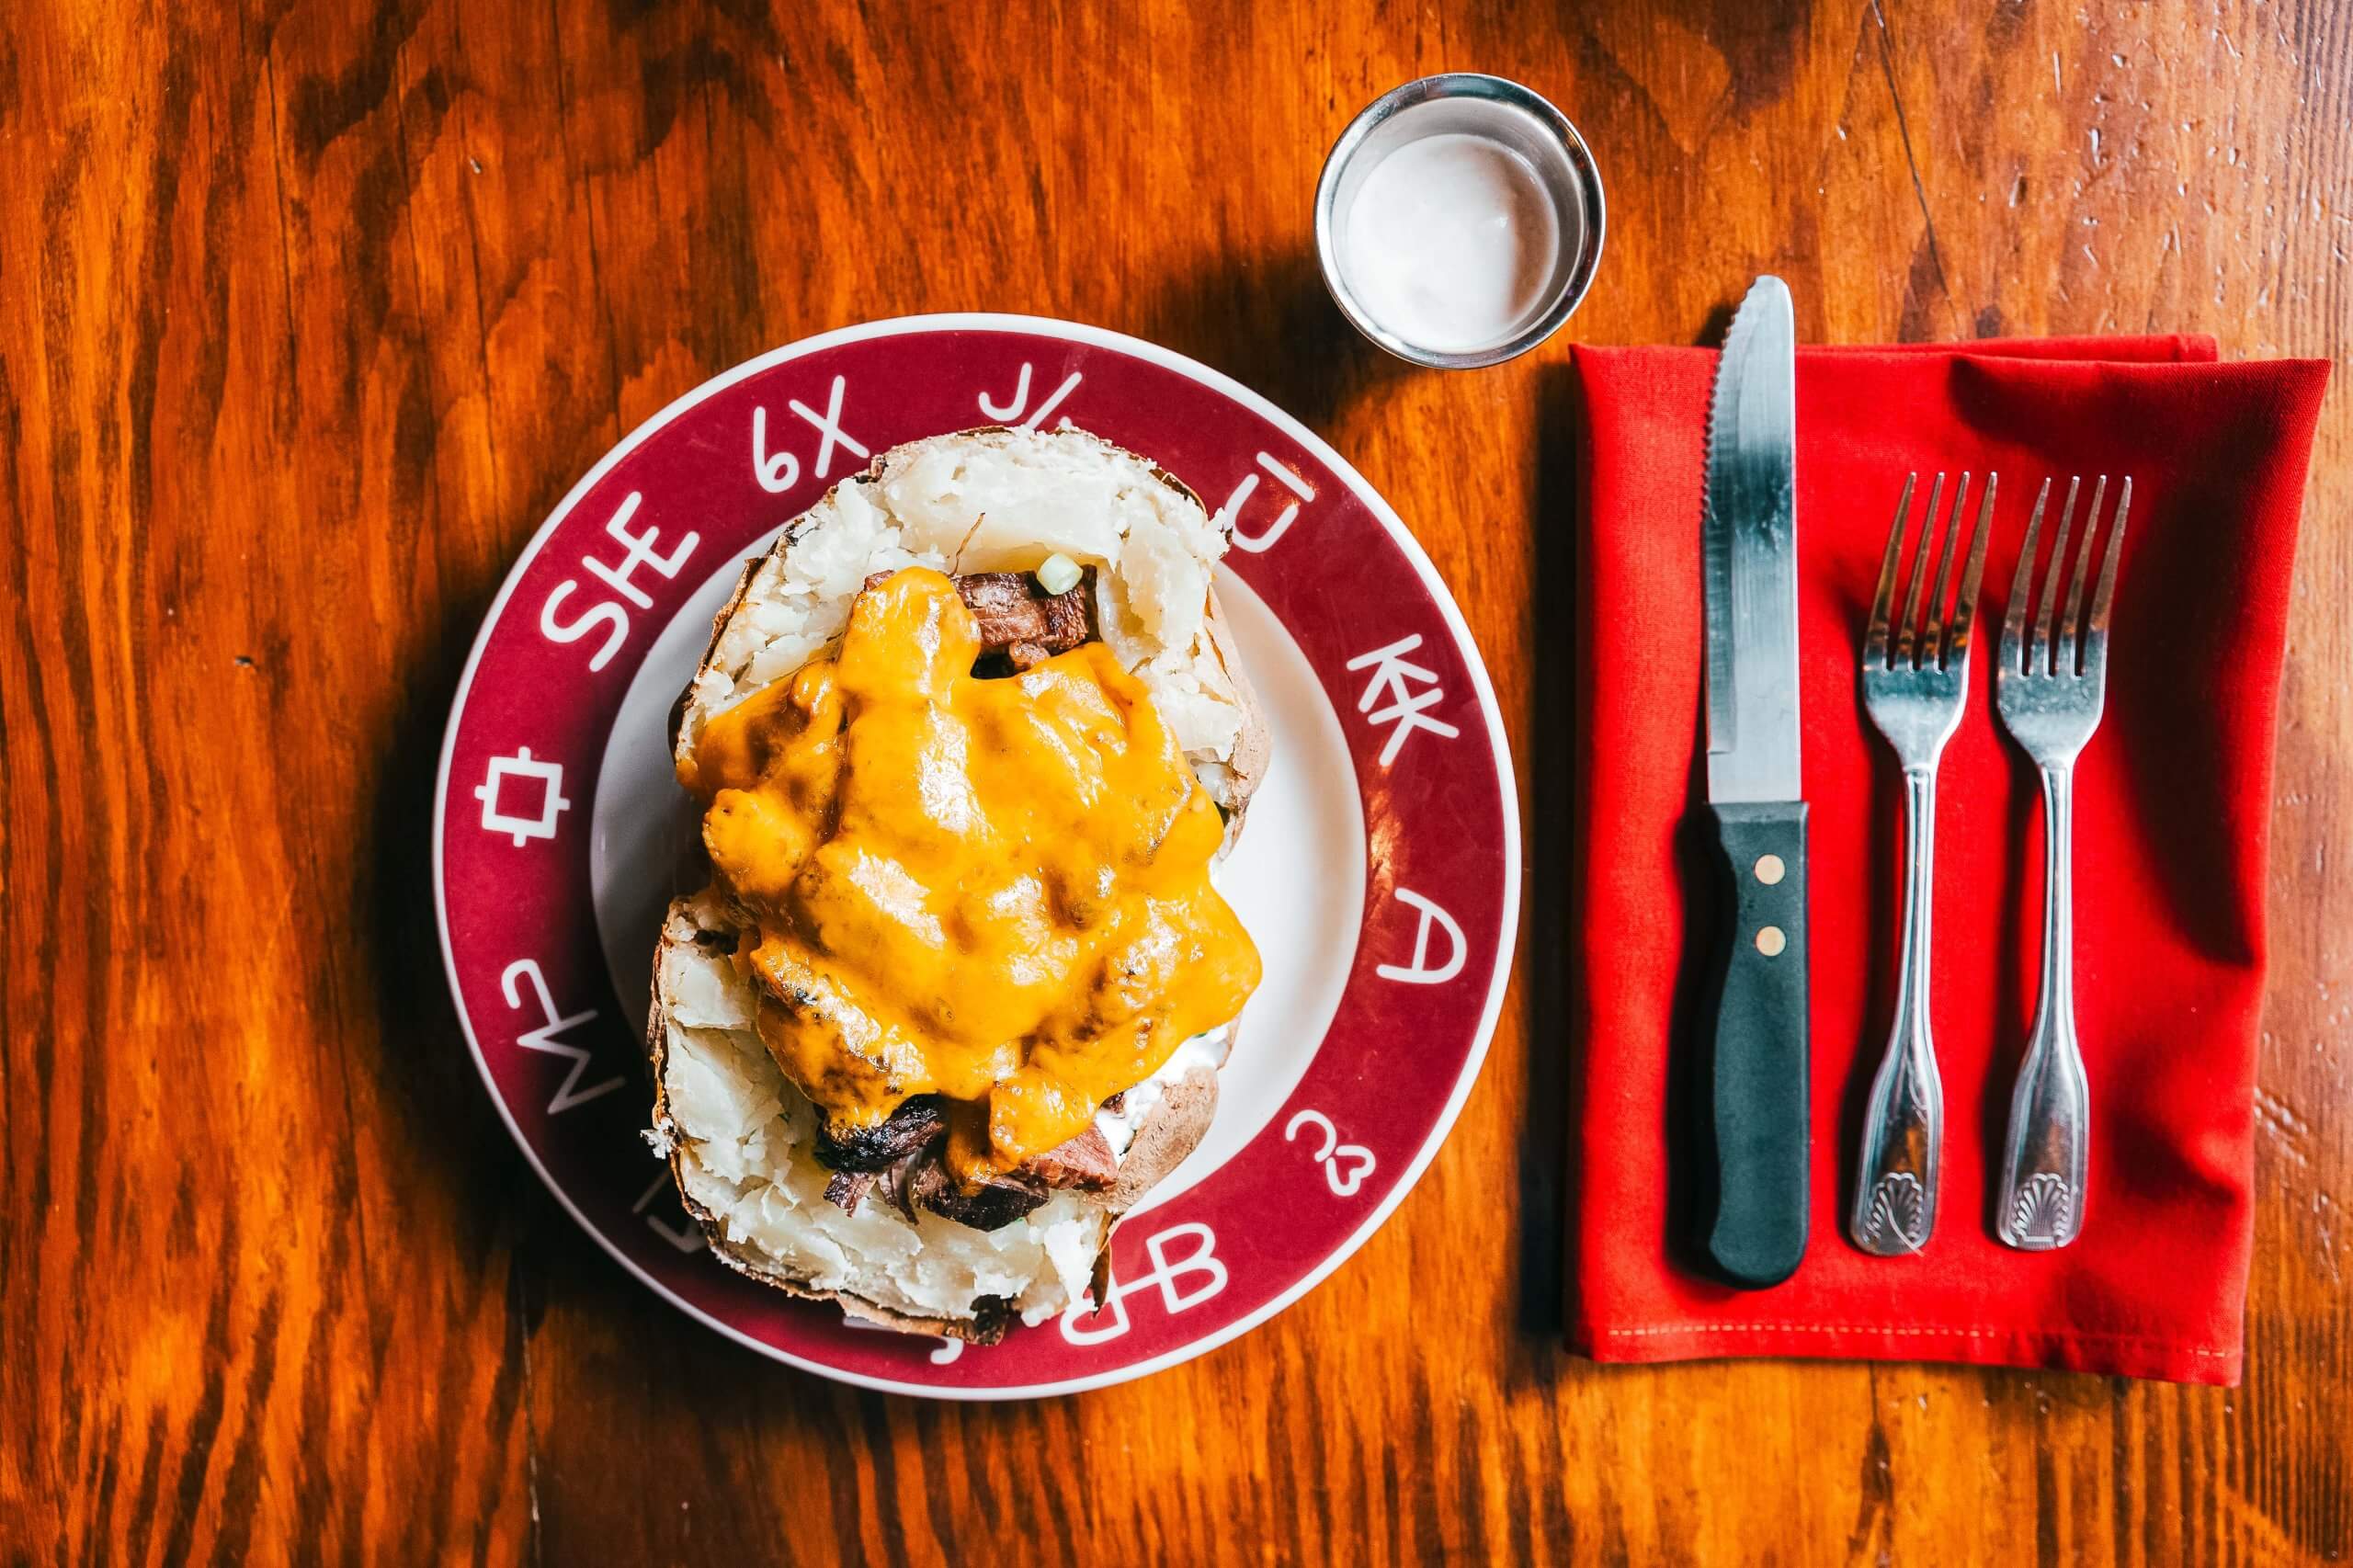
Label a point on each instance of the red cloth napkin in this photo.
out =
(2173, 797)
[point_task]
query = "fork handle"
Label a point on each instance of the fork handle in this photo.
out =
(1904, 1122)
(2044, 1167)
(1760, 1084)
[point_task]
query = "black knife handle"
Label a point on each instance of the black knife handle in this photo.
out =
(1760, 1088)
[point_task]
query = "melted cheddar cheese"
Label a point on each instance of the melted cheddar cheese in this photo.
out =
(993, 890)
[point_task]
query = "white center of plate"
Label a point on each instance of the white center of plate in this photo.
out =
(1296, 877)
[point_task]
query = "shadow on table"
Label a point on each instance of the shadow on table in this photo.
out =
(1547, 1165)
(1272, 326)
(423, 1077)
(1551, 1163)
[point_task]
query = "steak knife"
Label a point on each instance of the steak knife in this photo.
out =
(1750, 559)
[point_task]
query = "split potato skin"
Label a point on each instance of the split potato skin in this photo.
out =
(703, 931)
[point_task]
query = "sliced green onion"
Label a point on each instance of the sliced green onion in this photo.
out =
(1058, 573)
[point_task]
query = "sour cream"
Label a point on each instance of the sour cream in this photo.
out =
(1450, 243)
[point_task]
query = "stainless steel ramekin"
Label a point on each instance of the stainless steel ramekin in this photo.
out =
(1504, 112)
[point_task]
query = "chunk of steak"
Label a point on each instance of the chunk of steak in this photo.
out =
(991, 1205)
(1084, 1161)
(919, 1121)
(901, 1157)
(846, 1187)
(1020, 620)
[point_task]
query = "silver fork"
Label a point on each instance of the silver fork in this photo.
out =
(2050, 690)
(1915, 675)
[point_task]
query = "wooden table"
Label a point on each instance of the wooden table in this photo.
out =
(308, 316)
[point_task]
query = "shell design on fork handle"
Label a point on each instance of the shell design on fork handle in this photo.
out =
(2042, 1209)
(1898, 1214)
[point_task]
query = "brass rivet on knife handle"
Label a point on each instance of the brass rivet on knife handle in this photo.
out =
(1758, 1080)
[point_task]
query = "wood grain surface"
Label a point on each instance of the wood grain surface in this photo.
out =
(310, 311)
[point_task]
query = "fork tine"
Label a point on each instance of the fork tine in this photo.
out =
(2038, 655)
(1917, 580)
(1932, 636)
(2014, 647)
(2104, 596)
(1875, 635)
(1964, 609)
(2069, 641)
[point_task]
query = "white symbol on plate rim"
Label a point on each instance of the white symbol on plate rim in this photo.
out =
(1229, 516)
(1390, 671)
(1078, 1323)
(1418, 972)
(1005, 414)
(522, 765)
(1359, 1158)
(689, 1240)
(568, 1095)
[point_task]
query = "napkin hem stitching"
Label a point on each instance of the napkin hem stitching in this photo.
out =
(2202, 1352)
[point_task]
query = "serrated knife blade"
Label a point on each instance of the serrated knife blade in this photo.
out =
(1757, 1232)
(1749, 547)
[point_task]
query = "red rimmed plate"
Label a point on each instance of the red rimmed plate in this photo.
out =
(1379, 873)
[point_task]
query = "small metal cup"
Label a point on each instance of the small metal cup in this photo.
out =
(1502, 112)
